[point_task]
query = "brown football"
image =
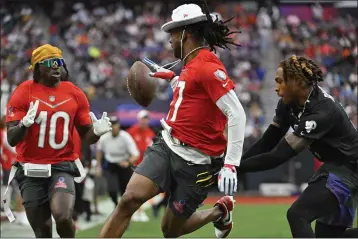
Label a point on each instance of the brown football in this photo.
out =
(140, 85)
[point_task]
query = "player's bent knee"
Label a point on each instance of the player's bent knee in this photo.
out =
(293, 214)
(168, 233)
(131, 201)
(62, 218)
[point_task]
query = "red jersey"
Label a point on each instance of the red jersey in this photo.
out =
(76, 142)
(194, 116)
(50, 138)
(7, 155)
(143, 138)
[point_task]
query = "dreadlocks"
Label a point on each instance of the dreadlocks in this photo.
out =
(36, 74)
(215, 33)
(301, 69)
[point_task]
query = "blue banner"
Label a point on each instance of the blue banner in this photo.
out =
(126, 109)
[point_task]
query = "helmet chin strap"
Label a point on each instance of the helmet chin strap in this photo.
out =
(174, 63)
(181, 44)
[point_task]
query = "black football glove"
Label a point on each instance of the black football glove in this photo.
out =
(282, 112)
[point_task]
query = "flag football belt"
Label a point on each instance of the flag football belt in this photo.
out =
(36, 171)
(176, 141)
(168, 130)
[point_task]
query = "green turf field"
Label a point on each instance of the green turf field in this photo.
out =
(249, 221)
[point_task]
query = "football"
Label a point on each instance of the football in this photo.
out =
(140, 85)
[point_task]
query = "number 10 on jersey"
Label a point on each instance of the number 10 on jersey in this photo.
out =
(42, 121)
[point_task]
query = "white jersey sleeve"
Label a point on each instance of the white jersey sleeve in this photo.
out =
(230, 105)
(131, 145)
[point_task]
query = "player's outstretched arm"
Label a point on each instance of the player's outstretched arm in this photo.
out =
(287, 148)
(161, 72)
(273, 134)
(267, 142)
(87, 134)
(92, 132)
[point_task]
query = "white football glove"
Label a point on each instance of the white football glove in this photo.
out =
(29, 118)
(227, 180)
(102, 125)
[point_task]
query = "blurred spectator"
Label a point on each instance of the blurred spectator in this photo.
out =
(264, 25)
(116, 150)
(142, 133)
(143, 136)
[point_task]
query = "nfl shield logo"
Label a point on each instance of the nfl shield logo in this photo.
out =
(220, 75)
(51, 98)
(10, 111)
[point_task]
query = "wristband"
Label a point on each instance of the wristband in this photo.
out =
(21, 125)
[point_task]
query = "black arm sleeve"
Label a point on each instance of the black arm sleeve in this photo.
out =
(267, 142)
(280, 154)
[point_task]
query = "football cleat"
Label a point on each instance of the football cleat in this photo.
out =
(224, 224)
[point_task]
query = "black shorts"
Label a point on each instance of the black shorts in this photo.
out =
(342, 181)
(37, 191)
(117, 177)
(172, 174)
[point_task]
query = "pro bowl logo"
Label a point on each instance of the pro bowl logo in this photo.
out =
(60, 183)
(221, 75)
(10, 111)
(51, 98)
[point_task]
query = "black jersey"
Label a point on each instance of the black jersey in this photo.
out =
(324, 120)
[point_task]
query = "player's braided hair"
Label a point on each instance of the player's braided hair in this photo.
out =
(302, 69)
(216, 33)
(36, 74)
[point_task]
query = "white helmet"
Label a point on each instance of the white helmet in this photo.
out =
(184, 15)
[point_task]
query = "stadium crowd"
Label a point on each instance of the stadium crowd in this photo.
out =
(104, 41)
(20, 34)
(331, 42)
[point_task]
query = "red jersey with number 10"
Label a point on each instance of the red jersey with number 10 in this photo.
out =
(194, 116)
(50, 139)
